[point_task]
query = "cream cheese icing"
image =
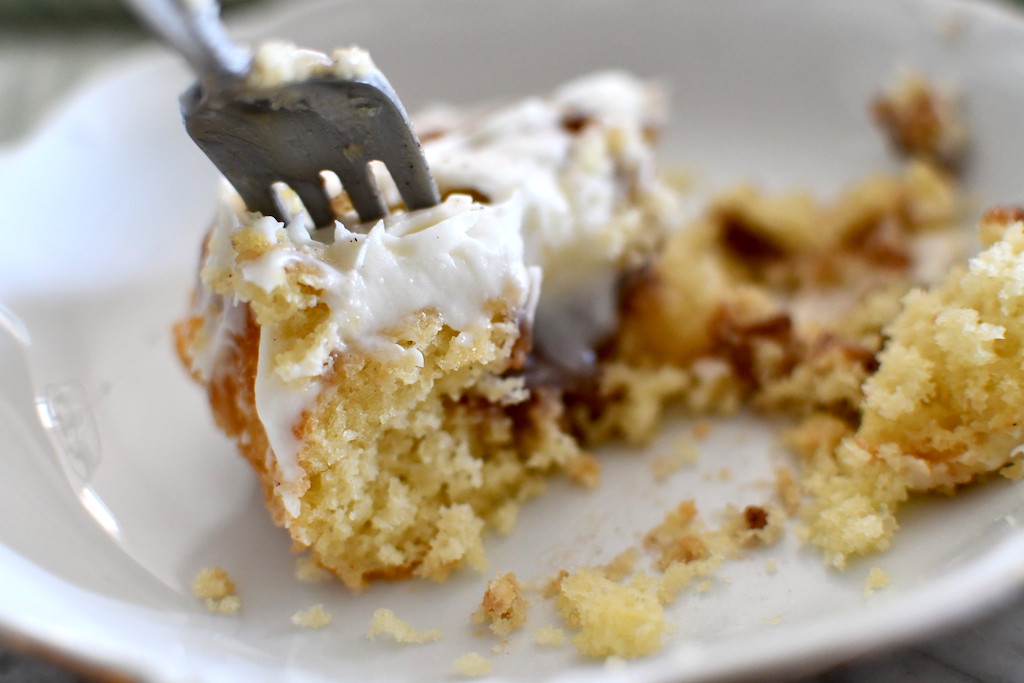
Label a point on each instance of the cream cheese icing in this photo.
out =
(277, 63)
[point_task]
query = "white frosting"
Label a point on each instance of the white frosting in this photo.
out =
(558, 201)
(451, 258)
(277, 63)
(571, 184)
(279, 407)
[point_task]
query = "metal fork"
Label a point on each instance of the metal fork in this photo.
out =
(291, 133)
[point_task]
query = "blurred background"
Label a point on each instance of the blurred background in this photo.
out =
(50, 47)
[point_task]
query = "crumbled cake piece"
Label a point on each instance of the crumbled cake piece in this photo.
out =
(679, 537)
(920, 119)
(685, 552)
(755, 525)
(549, 635)
(770, 567)
(472, 664)
(314, 616)
(622, 565)
(614, 619)
(943, 408)
(780, 301)
(503, 606)
(875, 580)
(553, 587)
(213, 582)
(386, 623)
(774, 300)
(213, 585)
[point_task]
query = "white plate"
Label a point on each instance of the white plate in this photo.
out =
(107, 513)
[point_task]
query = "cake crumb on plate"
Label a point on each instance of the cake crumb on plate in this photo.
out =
(472, 664)
(213, 585)
(314, 616)
(385, 622)
(624, 620)
(877, 578)
(503, 605)
(622, 565)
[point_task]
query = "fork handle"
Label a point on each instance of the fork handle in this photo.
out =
(194, 29)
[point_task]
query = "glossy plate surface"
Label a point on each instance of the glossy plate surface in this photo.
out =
(117, 488)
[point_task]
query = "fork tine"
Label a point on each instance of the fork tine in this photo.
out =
(414, 182)
(314, 198)
(362, 191)
(257, 193)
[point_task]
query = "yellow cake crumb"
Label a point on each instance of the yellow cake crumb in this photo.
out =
(503, 605)
(553, 586)
(875, 580)
(678, 538)
(213, 582)
(385, 622)
(770, 567)
(314, 616)
(622, 565)
(549, 635)
(472, 664)
(213, 585)
(685, 550)
(755, 525)
(614, 619)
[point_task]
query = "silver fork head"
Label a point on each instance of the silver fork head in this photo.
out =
(294, 132)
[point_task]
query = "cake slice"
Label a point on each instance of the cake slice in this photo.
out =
(394, 385)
